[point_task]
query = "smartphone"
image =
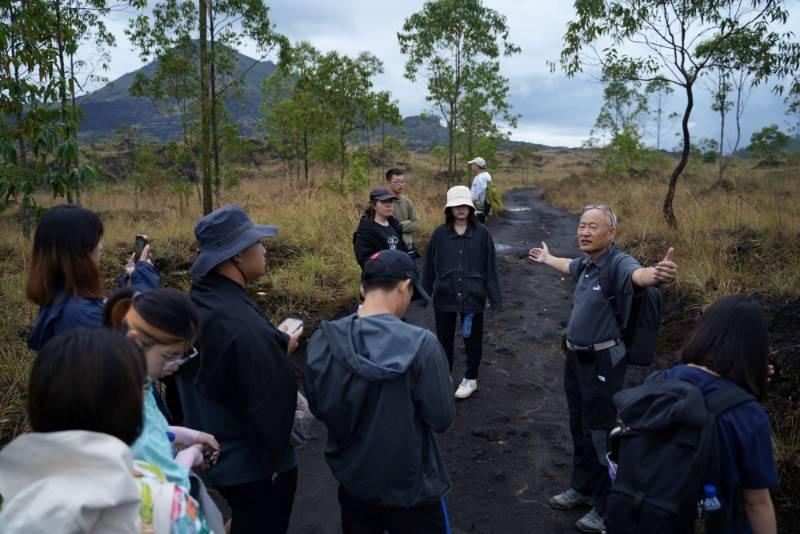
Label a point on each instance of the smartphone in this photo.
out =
(292, 325)
(141, 241)
(207, 452)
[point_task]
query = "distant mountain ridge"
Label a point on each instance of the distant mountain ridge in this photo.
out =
(112, 107)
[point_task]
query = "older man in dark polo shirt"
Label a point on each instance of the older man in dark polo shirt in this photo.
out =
(595, 364)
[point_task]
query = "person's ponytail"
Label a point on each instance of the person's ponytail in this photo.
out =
(164, 315)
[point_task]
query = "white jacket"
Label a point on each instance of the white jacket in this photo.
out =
(68, 482)
(479, 186)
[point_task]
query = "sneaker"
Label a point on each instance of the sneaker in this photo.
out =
(466, 388)
(570, 499)
(591, 522)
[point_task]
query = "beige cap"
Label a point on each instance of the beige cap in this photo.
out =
(459, 195)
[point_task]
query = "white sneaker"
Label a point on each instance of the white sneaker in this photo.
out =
(466, 388)
(591, 522)
(570, 499)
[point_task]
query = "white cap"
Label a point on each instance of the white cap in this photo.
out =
(459, 195)
(480, 162)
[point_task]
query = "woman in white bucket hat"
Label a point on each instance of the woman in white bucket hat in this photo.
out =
(460, 274)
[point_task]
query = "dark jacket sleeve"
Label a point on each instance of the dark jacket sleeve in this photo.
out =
(143, 279)
(433, 394)
(363, 246)
(398, 228)
(268, 390)
(492, 275)
(429, 269)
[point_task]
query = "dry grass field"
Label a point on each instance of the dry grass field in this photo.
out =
(744, 237)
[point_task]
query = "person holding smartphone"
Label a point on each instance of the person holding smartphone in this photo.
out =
(64, 276)
(242, 388)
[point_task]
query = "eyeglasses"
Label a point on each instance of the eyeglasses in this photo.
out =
(171, 364)
(605, 209)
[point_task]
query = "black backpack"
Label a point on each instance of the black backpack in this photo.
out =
(640, 334)
(668, 450)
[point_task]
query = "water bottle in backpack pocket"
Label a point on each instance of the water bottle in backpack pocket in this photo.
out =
(668, 453)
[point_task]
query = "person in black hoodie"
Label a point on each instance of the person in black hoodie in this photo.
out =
(382, 387)
(242, 388)
(378, 228)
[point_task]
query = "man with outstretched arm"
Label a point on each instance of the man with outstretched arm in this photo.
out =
(595, 363)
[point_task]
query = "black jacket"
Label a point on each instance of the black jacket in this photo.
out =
(461, 270)
(244, 387)
(369, 239)
(382, 387)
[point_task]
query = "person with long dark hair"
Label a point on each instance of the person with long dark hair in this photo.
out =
(64, 277)
(74, 471)
(729, 345)
(460, 273)
(378, 229)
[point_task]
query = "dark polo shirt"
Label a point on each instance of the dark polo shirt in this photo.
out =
(592, 320)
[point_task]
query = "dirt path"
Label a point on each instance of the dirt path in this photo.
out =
(509, 448)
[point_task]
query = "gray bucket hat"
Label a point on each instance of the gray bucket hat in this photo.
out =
(224, 233)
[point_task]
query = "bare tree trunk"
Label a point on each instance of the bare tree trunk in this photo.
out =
(342, 158)
(305, 157)
(205, 160)
(62, 83)
(214, 104)
(75, 130)
(451, 157)
(658, 122)
(669, 213)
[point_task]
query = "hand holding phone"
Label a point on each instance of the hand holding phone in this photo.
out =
(141, 241)
(291, 326)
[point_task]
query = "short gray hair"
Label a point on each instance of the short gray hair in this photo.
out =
(612, 218)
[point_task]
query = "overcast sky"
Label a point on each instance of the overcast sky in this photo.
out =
(555, 110)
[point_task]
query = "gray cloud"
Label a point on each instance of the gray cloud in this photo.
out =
(555, 110)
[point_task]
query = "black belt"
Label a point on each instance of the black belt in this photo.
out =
(603, 345)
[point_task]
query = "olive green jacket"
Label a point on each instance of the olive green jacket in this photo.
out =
(406, 213)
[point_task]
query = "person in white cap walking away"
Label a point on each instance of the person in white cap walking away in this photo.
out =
(460, 273)
(480, 187)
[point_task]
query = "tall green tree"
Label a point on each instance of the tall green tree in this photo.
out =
(345, 88)
(769, 144)
(292, 107)
(455, 44)
(220, 26)
(659, 90)
(660, 40)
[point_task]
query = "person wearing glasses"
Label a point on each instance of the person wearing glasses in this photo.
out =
(242, 388)
(164, 323)
(404, 210)
(595, 362)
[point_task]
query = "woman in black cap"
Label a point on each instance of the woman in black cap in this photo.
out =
(378, 229)
(242, 389)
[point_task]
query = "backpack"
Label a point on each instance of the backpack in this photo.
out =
(668, 449)
(640, 334)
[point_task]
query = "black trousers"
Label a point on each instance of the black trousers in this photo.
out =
(590, 381)
(446, 331)
(359, 517)
(262, 506)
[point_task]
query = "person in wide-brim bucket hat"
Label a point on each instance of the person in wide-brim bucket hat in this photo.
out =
(224, 233)
(459, 195)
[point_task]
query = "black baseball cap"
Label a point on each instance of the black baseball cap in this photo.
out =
(381, 193)
(394, 264)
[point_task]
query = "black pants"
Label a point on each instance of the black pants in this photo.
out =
(590, 381)
(262, 506)
(446, 330)
(359, 517)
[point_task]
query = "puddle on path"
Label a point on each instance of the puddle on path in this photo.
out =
(500, 247)
(517, 209)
